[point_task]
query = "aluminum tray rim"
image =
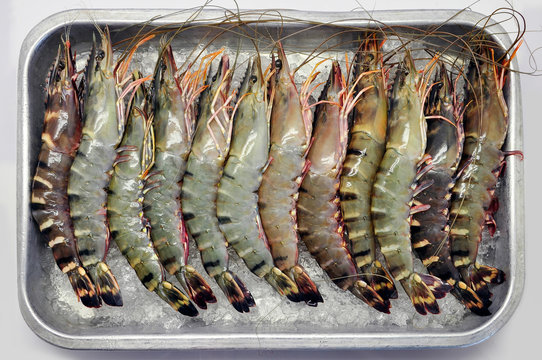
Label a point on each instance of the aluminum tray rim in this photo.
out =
(277, 341)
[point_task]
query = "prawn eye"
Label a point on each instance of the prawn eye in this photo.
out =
(253, 79)
(61, 65)
(214, 77)
(278, 64)
(100, 55)
(164, 67)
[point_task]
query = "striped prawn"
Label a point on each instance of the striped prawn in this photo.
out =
(89, 174)
(474, 201)
(430, 228)
(60, 140)
(173, 123)
(200, 185)
(319, 218)
(129, 227)
(394, 185)
(291, 128)
(237, 201)
(365, 150)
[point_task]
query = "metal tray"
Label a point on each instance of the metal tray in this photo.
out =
(94, 332)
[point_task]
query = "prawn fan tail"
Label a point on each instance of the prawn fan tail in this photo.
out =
(83, 287)
(369, 295)
(176, 299)
(107, 286)
(236, 292)
(380, 280)
(420, 294)
(489, 274)
(195, 285)
(470, 299)
(478, 277)
(306, 286)
(438, 287)
(284, 285)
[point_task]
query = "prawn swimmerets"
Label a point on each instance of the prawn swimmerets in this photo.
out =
(129, 228)
(365, 150)
(444, 113)
(237, 201)
(473, 201)
(49, 201)
(319, 217)
(90, 171)
(173, 123)
(393, 187)
(200, 185)
(291, 128)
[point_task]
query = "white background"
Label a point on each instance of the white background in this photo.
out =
(519, 338)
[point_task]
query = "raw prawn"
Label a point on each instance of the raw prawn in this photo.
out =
(49, 202)
(474, 201)
(291, 128)
(89, 174)
(365, 150)
(319, 218)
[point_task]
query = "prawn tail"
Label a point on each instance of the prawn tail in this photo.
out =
(195, 286)
(176, 299)
(236, 292)
(438, 287)
(470, 299)
(489, 274)
(107, 288)
(478, 277)
(421, 294)
(106, 285)
(306, 286)
(284, 285)
(83, 287)
(369, 295)
(379, 279)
